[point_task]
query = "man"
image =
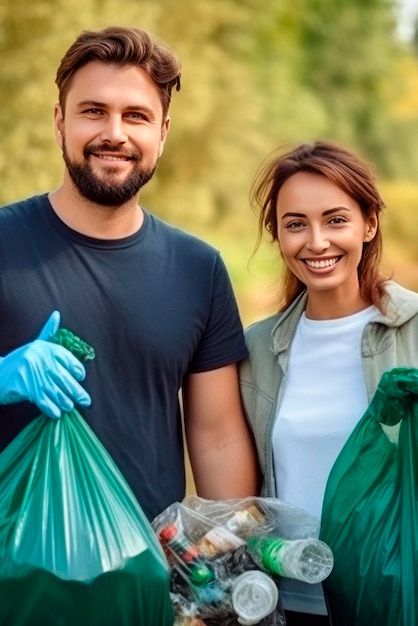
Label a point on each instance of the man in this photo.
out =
(154, 302)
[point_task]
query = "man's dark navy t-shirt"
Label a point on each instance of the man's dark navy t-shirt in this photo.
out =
(155, 306)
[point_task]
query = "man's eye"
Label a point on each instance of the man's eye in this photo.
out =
(136, 115)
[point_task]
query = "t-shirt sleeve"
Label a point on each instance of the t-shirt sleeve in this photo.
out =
(222, 341)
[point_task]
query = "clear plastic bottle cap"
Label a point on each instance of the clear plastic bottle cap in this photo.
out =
(254, 596)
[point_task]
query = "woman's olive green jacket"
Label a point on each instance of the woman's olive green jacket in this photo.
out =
(391, 340)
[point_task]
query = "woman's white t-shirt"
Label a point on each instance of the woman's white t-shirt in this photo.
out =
(322, 398)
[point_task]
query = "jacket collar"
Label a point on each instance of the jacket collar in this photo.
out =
(285, 327)
(401, 306)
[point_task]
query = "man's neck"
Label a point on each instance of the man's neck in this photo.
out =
(95, 220)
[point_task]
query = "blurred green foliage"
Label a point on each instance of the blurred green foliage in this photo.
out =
(255, 76)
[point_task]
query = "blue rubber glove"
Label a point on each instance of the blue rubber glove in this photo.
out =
(44, 373)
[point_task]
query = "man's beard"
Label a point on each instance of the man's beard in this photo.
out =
(100, 191)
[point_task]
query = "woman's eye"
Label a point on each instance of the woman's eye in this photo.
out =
(338, 220)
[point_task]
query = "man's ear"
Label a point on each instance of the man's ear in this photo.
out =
(59, 124)
(164, 132)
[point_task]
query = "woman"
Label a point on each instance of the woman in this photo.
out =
(315, 365)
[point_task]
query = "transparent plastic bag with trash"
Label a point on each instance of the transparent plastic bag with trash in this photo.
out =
(75, 545)
(228, 557)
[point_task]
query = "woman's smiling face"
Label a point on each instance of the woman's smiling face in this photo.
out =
(321, 231)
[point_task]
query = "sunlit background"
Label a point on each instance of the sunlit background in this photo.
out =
(256, 75)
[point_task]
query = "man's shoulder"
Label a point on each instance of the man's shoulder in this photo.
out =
(180, 236)
(19, 208)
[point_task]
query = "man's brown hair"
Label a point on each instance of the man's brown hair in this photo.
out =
(118, 45)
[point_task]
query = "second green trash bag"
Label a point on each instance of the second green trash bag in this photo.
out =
(370, 517)
(75, 546)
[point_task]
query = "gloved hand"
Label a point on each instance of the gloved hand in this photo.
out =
(44, 373)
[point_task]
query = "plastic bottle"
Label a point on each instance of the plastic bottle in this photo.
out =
(179, 543)
(254, 596)
(309, 560)
(199, 573)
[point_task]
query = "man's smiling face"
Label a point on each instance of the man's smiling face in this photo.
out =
(112, 132)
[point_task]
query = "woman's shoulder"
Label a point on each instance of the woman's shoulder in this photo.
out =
(259, 337)
(284, 321)
(401, 304)
(262, 327)
(395, 290)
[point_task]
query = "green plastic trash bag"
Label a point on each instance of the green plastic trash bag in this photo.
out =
(75, 546)
(370, 517)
